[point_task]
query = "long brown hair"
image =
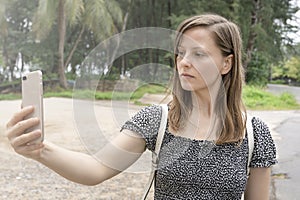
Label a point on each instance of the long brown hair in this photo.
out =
(229, 101)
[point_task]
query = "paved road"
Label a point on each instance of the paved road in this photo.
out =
(279, 89)
(287, 183)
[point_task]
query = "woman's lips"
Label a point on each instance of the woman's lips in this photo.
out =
(186, 75)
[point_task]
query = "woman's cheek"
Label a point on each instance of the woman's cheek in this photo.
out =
(208, 71)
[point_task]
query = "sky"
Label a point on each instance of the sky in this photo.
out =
(296, 22)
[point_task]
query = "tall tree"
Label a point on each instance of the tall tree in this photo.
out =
(98, 16)
(61, 43)
(15, 27)
(265, 34)
(255, 20)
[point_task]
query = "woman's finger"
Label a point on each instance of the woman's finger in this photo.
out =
(31, 151)
(20, 127)
(25, 139)
(18, 116)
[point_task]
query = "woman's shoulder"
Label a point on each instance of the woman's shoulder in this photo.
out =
(259, 125)
(150, 109)
(146, 123)
(264, 154)
(147, 115)
(261, 131)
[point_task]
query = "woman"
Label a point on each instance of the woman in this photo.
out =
(205, 148)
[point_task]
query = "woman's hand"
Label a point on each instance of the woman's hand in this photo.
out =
(69, 163)
(23, 143)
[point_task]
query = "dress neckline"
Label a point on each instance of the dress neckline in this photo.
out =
(188, 139)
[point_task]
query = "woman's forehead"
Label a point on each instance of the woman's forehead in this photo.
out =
(197, 38)
(188, 42)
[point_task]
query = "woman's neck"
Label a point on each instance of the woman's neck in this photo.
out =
(205, 98)
(201, 104)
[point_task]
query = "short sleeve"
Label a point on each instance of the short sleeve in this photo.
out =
(146, 123)
(264, 152)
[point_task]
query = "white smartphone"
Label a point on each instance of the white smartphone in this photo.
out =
(32, 94)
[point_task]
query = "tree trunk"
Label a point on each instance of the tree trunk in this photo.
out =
(74, 48)
(171, 63)
(123, 28)
(252, 34)
(5, 57)
(61, 44)
(169, 13)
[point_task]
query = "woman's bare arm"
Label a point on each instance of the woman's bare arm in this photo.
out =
(258, 184)
(115, 157)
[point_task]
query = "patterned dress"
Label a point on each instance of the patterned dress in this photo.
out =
(199, 169)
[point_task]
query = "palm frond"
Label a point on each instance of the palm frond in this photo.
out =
(74, 10)
(44, 18)
(115, 11)
(100, 19)
(3, 23)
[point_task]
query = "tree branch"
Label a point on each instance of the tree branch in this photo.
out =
(74, 47)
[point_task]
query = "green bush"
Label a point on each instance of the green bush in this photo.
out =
(258, 70)
(278, 81)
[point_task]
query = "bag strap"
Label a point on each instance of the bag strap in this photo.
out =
(155, 154)
(249, 129)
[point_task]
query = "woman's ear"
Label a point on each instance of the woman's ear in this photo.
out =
(227, 64)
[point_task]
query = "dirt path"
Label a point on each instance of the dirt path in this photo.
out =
(21, 178)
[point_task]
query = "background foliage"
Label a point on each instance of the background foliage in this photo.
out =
(57, 35)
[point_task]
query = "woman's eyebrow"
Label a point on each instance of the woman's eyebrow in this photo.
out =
(193, 48)
(198, 48)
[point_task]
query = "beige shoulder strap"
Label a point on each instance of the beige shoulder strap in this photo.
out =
(249, 129)
(250, 141)
(160, 136)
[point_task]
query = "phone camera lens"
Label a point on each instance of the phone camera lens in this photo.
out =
(24, 78)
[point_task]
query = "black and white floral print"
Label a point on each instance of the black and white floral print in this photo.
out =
(197, 169)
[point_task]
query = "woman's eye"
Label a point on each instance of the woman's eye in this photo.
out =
(199, 54)
(180, 53)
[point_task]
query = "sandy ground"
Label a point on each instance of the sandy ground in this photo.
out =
(22, 178)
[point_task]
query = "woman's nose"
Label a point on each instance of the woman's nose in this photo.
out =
(184, 62)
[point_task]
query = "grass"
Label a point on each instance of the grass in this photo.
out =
(11, 96)
(150, 89)
(89, 94)
(255, 98)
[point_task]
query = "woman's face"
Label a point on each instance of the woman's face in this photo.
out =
(200, 62)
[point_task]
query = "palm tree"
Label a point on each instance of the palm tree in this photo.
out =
(102, 17)
(4, 33)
